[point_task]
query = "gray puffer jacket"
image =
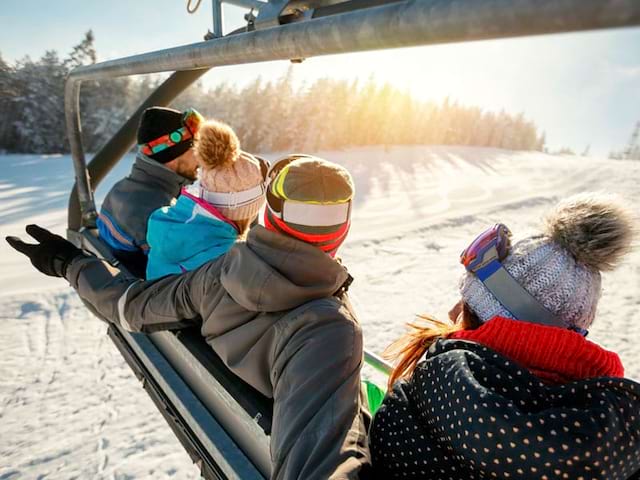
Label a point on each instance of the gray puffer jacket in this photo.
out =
(276, 311)
(126, 208)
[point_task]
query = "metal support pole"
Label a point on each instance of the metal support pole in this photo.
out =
(114, 149)
(216, 10)
(84, 194)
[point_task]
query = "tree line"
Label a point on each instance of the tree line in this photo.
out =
(268, 116)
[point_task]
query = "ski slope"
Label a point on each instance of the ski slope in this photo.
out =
(71, 408)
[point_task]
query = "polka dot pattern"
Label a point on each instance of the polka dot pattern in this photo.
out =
(468, 412)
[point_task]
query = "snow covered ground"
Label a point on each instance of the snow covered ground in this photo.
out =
(71, 408)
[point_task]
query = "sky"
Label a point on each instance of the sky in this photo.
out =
(582, 90)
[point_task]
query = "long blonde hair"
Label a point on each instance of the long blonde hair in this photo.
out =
(409, 349)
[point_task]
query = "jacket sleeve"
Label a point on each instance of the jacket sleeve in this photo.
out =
(171, 302)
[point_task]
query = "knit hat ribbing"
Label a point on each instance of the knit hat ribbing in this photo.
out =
(156, 122)
(561, 268)
(224, 168)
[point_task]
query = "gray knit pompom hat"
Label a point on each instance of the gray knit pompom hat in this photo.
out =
(583, 235)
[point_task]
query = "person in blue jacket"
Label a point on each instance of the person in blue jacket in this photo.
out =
(210, 215)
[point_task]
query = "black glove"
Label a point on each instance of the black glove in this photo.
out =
(52, 255)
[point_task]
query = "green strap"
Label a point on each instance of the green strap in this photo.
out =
(375, 396)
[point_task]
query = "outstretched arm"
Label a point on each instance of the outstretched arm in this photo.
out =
(171, 302)
(168, 303)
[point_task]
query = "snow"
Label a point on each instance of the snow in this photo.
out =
(71, 408)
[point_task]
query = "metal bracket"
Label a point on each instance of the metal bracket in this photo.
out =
(271, 13)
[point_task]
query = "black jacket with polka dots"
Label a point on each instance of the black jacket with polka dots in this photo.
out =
(468, 412)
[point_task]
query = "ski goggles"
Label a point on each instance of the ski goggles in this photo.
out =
(300, 212)
(483, 258)
(488, 249)
(191, 121)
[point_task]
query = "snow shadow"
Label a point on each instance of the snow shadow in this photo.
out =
(37, 184)
(381, 169)
(33, 184)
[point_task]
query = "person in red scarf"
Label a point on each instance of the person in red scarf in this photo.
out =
(511, 387)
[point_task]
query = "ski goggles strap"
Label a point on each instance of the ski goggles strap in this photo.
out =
(165, 141)
(483, 258)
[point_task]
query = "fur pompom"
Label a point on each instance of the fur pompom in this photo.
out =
(596, 229)
(216, 145)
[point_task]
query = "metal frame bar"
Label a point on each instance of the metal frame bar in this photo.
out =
(224, 459)
(400, 24)
(216, 12)
(377, 362)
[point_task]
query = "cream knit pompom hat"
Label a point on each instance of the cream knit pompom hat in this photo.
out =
(583, 235)
(224, 168)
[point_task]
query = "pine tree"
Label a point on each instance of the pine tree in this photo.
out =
(40, 125)
(83, 53)
(103, 104)
(8, 110)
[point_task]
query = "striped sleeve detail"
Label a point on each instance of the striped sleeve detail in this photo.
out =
(113, 235)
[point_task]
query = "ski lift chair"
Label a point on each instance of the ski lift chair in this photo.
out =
(223, 423)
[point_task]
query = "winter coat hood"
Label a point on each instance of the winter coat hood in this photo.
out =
(271, 272)
(468, 412)
(185, 235)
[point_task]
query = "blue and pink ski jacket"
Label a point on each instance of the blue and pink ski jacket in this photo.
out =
(186, 234)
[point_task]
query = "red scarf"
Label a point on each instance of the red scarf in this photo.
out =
(555, 355)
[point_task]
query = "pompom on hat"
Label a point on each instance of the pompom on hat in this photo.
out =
(583, 235)
(234, 180)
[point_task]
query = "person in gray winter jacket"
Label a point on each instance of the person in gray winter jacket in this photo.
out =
(274, 308)
(164, 164)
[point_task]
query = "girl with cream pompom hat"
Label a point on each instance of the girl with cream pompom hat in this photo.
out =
(210, 215)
